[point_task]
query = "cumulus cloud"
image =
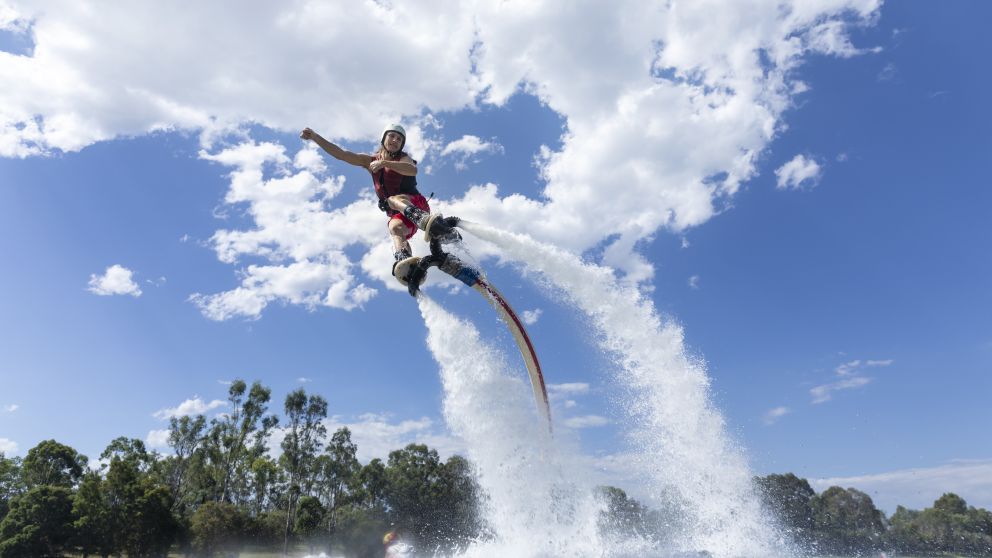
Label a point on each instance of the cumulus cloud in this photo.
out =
(831, 38)
(799, 173)
(294, 230)
(10, 408)
(918, 488)
(562, 394)
(849, 375)
(773, 415)
(378, 434)
(586, 421)
(116, 280)
(705, 87)
(574, 388)
(468, 148)
(189, 407)
(530, 317)
(694, 282)
(157, 439)
(8, 446)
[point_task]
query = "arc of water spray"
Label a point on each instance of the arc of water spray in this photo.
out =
(676, 429)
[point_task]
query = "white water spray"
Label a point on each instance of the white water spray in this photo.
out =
(537, 504)
(690, 464)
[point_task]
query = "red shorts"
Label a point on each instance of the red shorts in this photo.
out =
(420, 202)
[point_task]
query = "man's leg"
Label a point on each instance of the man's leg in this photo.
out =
(440, 228)
(398, 232)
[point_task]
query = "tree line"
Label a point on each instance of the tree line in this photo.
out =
(222, 490)
(845, 521)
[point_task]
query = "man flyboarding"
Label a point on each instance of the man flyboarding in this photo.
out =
(394, 176)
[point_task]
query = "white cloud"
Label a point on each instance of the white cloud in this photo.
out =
(586, 421)
(706, 84)
(850, 376)
(303, 380)
(194, 406)
(288, 204)
(888, 73)
(116, 280)
(10, 408)
(157, 439)
(831, 38)
(376, 435)
(918, 488)
(797, 174)
(7, 446)
(530, 317)
(467, 148)
(574, 388)
(694, 282)
(824, 393)
(773, 415)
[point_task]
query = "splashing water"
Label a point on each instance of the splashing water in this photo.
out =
(691, 467)
(536, 504)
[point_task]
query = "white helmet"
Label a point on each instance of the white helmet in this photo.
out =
(394, 128)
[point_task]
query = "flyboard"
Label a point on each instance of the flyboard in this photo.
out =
(412, 271)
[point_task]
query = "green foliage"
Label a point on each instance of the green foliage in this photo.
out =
(623, 517)
(266, 529)
(139, 508)
(236, 439)
(38, 524)
(360, 531)
(217, 528)
(10, 482)
(337, 470)
(789, 498)
(94, 523)
(846, 520)
(221, 489)
(949, 526)
(309, 516)
(300, 448)
(184, 471)
(52, 464)
(436, 503)
(371, 486)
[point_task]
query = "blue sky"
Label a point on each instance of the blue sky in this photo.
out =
(823, 239)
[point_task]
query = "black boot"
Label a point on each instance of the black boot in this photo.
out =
(400, 255)
(442, 228)
(435, 226)
(417, 215)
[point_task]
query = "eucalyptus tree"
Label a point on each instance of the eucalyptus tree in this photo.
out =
(139, 505)
(789, 499)
(305, 433)
(846, 521)
(338, 469)
(232, 432)
(52, 464)
(949, 526)
(130, 450)
(434, 501)
(371, 486)
(10, 481)
(186, 436)
(266, 484)
(94, 521)
(39, 523)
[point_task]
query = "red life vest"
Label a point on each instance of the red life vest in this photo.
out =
(391, 183)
